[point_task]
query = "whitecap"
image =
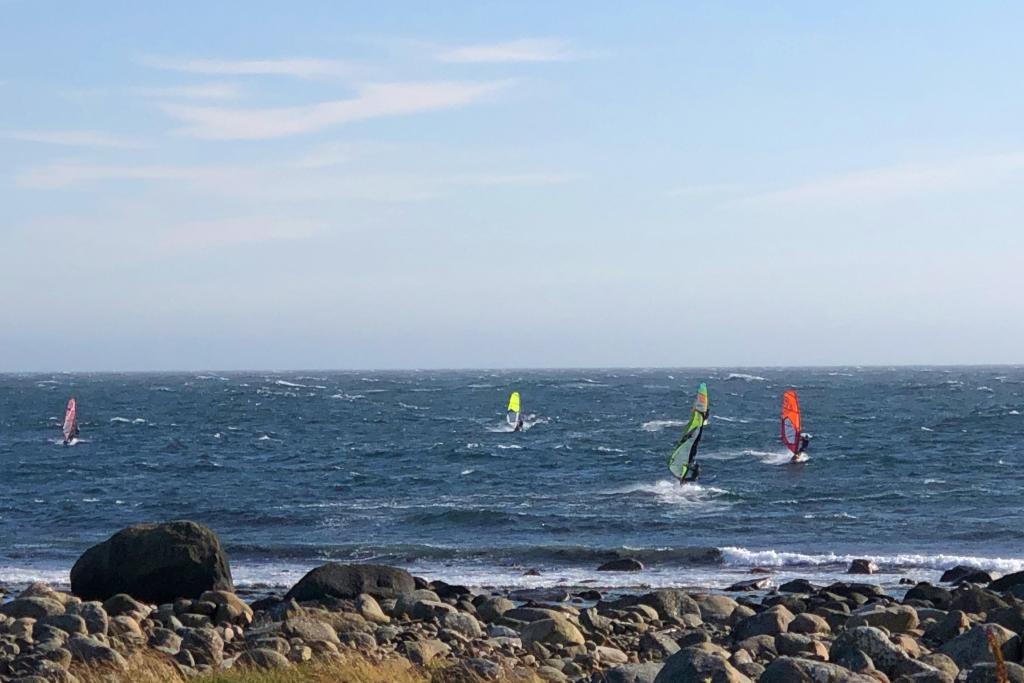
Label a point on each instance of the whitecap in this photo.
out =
(285, 383)
(658, 425)
(745, 377)
(465, 472)
(609, 449)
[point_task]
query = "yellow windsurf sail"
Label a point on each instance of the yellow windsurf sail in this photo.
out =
(513, 402)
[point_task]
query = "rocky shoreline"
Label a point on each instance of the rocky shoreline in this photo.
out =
(165, 591)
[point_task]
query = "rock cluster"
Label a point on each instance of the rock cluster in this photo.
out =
(845, 632)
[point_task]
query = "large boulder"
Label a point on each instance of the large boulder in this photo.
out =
(671, 604)
(973, 647)
(1007, 582)
(693, 664)
(153, 562)
(940, 597)
(885, 654)
(895, 619)
(348, 581)
(624, 564)
(770, 622)
(555, 631)
(645, 672)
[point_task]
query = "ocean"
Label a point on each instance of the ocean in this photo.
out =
(916, 468)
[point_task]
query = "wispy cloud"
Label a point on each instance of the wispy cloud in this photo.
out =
(371, 101)
(198, 91)
(894, 182)
(73, 138)
(524, 50)
(294, 68)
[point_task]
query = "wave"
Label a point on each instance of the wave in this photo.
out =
(671, 492)
(745, 377)
(348, 397)
(658, 425)
(410, 406)
(608, 449)
(285, 383)
(125, 420)
(733, 556)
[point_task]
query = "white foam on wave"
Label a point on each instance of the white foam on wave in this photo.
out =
(609, 449)
(734, 556)
(465, 472)
(1014, 412)
(831, 515)
(286, 383)
(124, 420)
(775, 457)
(745, 377)
(927, 429)
(410, 406)
(658, 425)
(671, 492)
(347, 397)
(726, 418)
(510, 447)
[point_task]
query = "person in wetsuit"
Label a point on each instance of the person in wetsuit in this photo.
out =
(805, 441)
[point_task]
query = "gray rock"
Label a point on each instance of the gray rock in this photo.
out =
(940, 597)
(68, 623)
(796, 670)
(886, 656)
(715, 609)
(975, 600)
(671, 604)
(1007, 582)
(32, 608)
(309, 629)
(692, 664)
(427, 610)
(771, 622)
(347, 581)
(422, 652)
(798, 586)
(123, 604)
(942, 662)
(466, 624)
(862, 567)
(492, 609)
(972, 647)
(153, 562)
(370, 609)
(164, 640)
(948, 627)
(96, 619)
(204, 644)
(894, 618)
(91, 651)
(623, 564)
(260, 658)
(986, 673)
(659, 645)
(809, 623)
(555, 631)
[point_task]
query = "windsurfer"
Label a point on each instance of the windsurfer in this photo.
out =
(692, 474)
(805, 442)
(519, 424)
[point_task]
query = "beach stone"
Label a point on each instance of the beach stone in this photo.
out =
(96, 618)
(895, 618)
(936, 595)
(597, 623)
(260, 658)
(422, 652)
(942, 662)
(749, 585)
(610, 655)
(308, 629)
(692, 664)
(798, 586)
(715, 609)
(797, 670)
(660, 645)
(862, 567)
(1007, 582)
(671, 605)
(948, 627)
(89, 650)
(153, 562)
(68, 623)
(809, 623)
(798, 645)
(739, 614)
(348, 581)
(1011, 617)
(370, 609)
(123, 604)
(555, 631)
(228, 608)
(426, 610)
(164, 640)
(771, 622)
(204, 644)
(645, 672)
(885, 655)
(529, 614)
(405, 601)
(975, 600)
(972, 647)
(854, 660)
(760, 647)
(463, 623)
(623, 564)
(986, 673)
(492, 609)
(32, 608)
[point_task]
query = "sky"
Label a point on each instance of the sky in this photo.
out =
(317, 185)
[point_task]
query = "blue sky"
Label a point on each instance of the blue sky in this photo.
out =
(345, 185)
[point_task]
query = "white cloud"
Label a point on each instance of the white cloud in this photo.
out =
(371, 101)
(295, 68)
(73, 138)
(198, 91)
(524, 50)
(894, 182)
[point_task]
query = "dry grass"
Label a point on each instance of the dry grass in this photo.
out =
(352, 668)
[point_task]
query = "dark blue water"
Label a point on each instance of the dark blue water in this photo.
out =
(919, 468)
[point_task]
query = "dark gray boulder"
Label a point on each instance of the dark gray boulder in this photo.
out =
(966, 574)
(1007, 582)
(624, 564)
(154, 563)
(348, 581)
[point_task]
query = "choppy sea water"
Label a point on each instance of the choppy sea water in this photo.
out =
(919, 469)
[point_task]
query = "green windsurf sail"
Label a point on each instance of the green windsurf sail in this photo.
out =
(685, 451)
